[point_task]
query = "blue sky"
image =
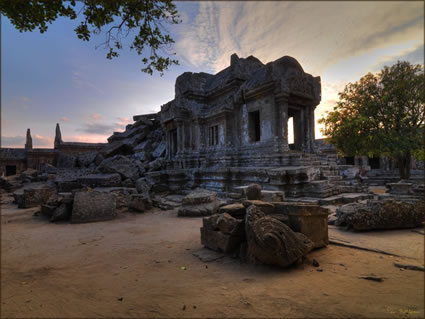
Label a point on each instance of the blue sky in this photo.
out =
(56, 78)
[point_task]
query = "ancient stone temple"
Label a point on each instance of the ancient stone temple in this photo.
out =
(231, 128)
(239, 116)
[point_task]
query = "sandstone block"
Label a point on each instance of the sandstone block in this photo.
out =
(121, 165)
(93, 206)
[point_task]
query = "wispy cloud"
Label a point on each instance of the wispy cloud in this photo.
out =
(122, 123)
(98, 128)
(64, 119)
(340, 41)
(92, 138)
(43, 141)
(96, 116)
(318, 34)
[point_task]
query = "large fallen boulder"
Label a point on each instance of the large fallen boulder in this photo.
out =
(33, 194)
(271, 242)
(199, 202)
(122, 195)
(93, 206)
(121, 165)
(381, 214)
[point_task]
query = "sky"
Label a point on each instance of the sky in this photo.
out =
(56, 78)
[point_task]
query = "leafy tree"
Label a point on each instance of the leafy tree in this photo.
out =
(381, 115)
(118, 18)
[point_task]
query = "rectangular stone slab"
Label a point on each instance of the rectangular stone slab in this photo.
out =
(93, 206)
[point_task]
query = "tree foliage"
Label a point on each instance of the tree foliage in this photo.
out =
(117, 18)
(381, 115)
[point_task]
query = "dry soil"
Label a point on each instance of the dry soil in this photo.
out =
(141, 265)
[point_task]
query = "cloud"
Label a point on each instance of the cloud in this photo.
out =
(12, 141)
(96, 116)
(98, 128)
(19, 141)
(318, 34)
(64, 119)
(43, 141)
(123, 121)
(87, 138)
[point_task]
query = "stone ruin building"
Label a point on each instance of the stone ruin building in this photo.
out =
(231, 129)
(220, 149)
(228, 130)
(16, 160)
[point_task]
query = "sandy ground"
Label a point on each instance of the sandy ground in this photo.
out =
(131, 267)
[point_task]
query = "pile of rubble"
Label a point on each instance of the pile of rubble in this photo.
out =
(96, 186)
(273, 233)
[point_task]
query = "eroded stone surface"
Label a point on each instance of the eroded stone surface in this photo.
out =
(386, 214)
(93, 206)
(235, 210)
(271, 242)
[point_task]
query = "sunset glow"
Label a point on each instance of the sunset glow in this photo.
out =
(56, 78)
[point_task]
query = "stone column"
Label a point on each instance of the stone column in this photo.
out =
(312, 130)
(201, 131)
(281, 124)
(168, 145)
(195, 135)
(180, 134)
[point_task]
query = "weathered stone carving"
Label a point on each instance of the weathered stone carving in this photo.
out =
(381, 214)
(271, 241)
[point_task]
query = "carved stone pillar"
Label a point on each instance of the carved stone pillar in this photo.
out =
(281, 124)
(312, 129)
(180, 136)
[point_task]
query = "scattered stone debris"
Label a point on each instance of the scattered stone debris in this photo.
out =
(381, 214)
(199, 202)
(409, 267)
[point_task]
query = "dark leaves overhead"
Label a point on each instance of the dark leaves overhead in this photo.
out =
(145, 20)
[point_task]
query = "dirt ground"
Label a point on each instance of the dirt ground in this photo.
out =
(132, 267)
